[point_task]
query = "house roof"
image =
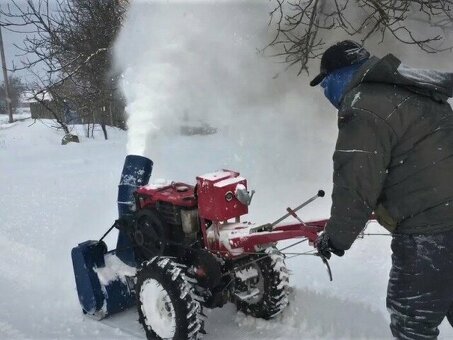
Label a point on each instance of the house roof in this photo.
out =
(28, 97)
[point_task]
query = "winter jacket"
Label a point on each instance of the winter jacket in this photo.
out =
(394, 153)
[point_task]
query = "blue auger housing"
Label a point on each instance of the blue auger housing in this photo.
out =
(100, 296)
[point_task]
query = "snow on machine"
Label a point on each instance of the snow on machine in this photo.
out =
(182, 248)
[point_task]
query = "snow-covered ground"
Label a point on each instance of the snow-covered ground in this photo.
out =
(54, 196)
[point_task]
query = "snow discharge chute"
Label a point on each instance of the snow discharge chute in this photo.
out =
(136, 172)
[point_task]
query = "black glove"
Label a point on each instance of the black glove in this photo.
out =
(325, 247)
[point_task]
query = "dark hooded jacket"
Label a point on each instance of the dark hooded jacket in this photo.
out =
(394, 153)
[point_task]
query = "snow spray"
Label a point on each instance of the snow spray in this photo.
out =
(201, 60)
(185, 60)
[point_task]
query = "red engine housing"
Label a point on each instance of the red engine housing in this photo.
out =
(217, 199)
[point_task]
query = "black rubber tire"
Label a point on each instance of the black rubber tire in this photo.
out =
(274, 274)
(152, 229)
(171, 277)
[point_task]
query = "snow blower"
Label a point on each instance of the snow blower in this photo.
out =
(182, 248)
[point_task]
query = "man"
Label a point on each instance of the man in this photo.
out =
(394, 156)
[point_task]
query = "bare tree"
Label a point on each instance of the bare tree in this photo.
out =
(300, 26)
(68, 49)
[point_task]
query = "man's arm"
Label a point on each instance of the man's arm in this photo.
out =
(361, 158)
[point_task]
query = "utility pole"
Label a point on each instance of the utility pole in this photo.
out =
(5, 79)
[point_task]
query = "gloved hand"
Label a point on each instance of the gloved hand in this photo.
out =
(325, 247)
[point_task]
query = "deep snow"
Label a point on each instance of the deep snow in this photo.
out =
(55, 196)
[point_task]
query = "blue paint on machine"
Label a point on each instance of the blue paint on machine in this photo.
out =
(136, 172)
(96, 298)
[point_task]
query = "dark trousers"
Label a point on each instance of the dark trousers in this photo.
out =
(420, 290)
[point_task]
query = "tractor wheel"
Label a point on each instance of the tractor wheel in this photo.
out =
(149, 236)
(261, 287)
(167, 307)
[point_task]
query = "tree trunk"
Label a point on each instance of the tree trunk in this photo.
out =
(104, 129)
